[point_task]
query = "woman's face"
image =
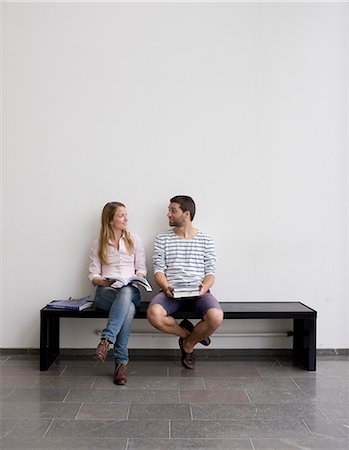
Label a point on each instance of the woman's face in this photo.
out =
(119, 221)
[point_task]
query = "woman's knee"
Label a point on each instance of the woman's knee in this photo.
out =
(127, 291)
(128, 294)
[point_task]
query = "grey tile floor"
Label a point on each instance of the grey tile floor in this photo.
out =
(255, 404)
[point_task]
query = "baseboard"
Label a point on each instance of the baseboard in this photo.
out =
(173, 353)
(332, 352)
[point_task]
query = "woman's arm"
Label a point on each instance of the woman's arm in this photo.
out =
(99, 281)
(95, 267)
(140, 260)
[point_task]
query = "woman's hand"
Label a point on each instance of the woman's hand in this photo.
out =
(97, 281)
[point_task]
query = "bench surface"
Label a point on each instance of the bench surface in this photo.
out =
(304, 325)
(232, 310)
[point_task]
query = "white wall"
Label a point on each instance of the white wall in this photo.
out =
(242, 106)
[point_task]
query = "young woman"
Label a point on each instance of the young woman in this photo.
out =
(117, 252)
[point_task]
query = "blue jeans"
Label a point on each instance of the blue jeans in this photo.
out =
(121, 304)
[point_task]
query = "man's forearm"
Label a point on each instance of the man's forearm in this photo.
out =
(161, 281)
(208, 281)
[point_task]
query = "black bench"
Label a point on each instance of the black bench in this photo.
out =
(304, 325)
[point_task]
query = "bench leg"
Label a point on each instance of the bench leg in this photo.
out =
(304, 342)
(49, 340)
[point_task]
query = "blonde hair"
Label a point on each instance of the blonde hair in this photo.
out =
(107, 233)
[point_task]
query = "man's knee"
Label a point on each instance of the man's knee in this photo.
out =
(155, 314)
(214, 318)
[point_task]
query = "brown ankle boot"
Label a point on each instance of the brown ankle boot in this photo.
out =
(102, 350)
(120, 374)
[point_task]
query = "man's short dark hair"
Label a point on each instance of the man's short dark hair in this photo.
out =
(186, 203)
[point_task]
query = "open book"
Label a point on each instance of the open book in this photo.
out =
(183, 290)
(132, 280)
(73, 304)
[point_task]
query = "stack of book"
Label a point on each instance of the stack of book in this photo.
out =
(74, 304)
(184, 290)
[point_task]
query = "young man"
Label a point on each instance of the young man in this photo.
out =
(184, 256)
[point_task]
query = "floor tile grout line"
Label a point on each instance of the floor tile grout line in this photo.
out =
(78, 411)
(6, 359)
(191, 411)
(249, 398)
(10, 393)
(205, 384)
(128, 411)
(312, 434)
(322, 412)
(278, 362)
(93, 382)
(61, 373)
(48, 428)
(169, 430)
(127, 443)
(69, 391)
(252, 444)
(294, 381)
(260, 374)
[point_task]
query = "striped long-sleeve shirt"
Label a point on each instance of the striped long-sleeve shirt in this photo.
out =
(184, 260)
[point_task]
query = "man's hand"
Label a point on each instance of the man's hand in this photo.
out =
(169, 291)
(163, 284)
(206, 284)
(203, 289)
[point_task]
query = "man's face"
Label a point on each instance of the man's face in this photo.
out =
(176, 217)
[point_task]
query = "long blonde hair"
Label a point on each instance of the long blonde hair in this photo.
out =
(107, 233)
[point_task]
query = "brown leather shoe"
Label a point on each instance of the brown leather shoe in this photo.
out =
(188, 359)
(190, 327)
(102, 350)
(120, 374)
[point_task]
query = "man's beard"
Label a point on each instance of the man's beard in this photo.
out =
(176, 223)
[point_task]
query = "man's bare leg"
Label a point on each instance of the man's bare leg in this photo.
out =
(207, 326)
(158, 317)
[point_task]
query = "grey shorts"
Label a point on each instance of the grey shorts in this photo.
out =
(200, 305)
